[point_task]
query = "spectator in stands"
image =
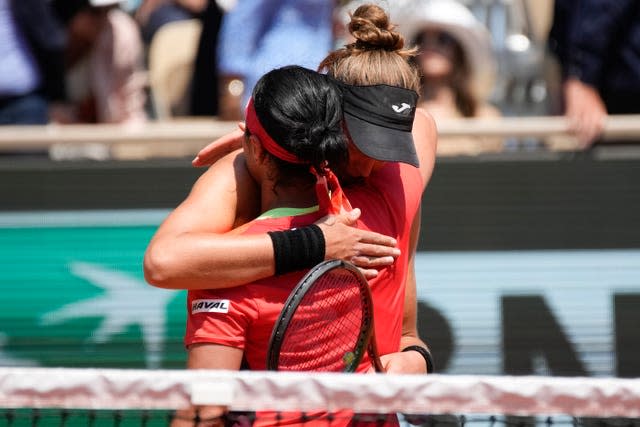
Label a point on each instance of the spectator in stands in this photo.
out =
(597, 43)
(31, 62)
(104, 60)
(204, 89)
(457, 64)
(260, 35)
(153, 14)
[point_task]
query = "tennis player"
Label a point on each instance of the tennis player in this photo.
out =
(294, 121)
(180, 256)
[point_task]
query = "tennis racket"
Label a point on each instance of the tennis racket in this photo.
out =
(326, 323)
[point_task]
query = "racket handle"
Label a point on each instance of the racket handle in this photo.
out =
(377, 364)
(374, 356)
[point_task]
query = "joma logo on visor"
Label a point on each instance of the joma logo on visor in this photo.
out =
(401, 108)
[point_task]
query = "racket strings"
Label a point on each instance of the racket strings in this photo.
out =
(328, 330)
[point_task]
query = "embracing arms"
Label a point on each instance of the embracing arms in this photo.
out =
(193, 249)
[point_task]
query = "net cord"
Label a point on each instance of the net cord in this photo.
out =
(82, 388)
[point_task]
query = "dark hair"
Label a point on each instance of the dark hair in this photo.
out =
(302, 112)
(378, 55)
(65, 10)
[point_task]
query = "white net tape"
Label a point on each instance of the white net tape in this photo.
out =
(419, 394)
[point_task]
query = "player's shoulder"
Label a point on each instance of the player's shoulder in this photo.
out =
(425, 138)
(425, 124)
(229, 169)
(226, 163)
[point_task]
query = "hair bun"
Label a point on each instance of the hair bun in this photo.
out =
(326, 143)
(317, 133)
(371, 28)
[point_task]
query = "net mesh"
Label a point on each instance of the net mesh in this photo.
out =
(97, 397)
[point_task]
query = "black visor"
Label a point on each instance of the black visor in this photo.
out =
(379, 119)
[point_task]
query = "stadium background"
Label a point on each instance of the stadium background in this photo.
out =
(529, 260)
(526, 265)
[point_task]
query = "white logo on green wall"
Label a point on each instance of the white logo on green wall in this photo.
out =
(126, 302)
(76, 296)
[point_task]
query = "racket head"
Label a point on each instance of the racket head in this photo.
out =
(326, 322)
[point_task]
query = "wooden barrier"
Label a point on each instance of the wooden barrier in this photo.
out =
(154, 139)
(621, 127)
(183, 138)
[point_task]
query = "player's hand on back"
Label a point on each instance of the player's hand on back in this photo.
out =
(367, 250)
(219, 148)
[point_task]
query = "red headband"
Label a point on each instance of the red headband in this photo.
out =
(331, 198)
(255, 127)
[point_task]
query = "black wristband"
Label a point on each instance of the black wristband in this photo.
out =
(298, 248)
(424, 352)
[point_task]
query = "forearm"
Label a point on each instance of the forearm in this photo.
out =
(410, 320)
(410, 337)
(192, 249)
(208, 260)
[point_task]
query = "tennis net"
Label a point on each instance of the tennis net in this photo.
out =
(111, 397)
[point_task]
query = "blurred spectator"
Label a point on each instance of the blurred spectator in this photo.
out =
(130, 6)
(153, 14)
(105, 75)
(597, 43)
(260, 35)
(457, 64)
(204, 90)
(31, 61)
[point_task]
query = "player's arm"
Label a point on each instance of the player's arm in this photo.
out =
(425, 139)
(410, 337)
(208, 356)
(193, 250)
(409, 362)
(219, 148)
(214, 356)
(410, 317)
(190, 249)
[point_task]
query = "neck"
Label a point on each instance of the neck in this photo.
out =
(290, 196)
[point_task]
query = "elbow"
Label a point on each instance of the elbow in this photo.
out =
(157, 268)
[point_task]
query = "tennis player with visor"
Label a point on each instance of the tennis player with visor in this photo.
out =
(182, 255)
(226, 325)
